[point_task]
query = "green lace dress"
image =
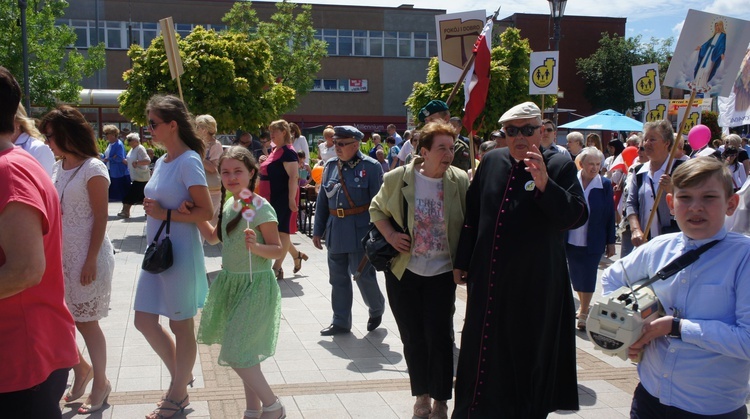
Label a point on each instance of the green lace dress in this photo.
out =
(242, 313)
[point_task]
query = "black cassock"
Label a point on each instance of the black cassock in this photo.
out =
(518, 356)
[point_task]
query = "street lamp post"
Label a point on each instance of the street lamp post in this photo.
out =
(25, 51)
(556, 11)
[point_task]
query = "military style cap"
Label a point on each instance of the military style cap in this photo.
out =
(526, 110)
(434, 106)
(347, 131)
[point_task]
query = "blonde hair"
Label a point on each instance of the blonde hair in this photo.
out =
(110, 129)
(27, 124)
(282, 126)
(206, 121)
(733, 140)
(328, 132)
(696, 171)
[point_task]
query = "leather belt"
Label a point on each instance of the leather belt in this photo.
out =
(341, 212)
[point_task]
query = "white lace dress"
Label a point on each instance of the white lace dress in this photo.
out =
(90, 302)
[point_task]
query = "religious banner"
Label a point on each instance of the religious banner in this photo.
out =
(457, 33)
(656, 110)
(543, 69)
(708, 54)
(692, 118)
(678, 105)
(646, 82)
(735, 110)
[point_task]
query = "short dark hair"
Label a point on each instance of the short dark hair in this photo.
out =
(10, 97)
(390, 140)
(551, 122)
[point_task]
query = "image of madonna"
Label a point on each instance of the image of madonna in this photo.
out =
(710, 56)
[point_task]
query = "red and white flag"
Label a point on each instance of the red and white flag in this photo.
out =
(477, 81)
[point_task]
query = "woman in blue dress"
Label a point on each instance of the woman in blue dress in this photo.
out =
(178, 292)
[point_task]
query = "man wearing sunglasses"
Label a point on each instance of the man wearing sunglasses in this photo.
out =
(350, 181)
(549, 135)
(512, 257)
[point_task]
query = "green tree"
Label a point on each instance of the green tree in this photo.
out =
(296, 53)
(226, 75)
(607, 72)
(55, 69)
(711, 120)
(509, 83)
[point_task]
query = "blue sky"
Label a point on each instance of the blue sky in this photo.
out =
(649, 18)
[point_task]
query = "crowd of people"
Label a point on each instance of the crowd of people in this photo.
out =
(528, 215)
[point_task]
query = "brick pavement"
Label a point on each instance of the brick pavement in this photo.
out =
(357, 375)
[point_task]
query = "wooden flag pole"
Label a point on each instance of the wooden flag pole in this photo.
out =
(659, 191)
(471, 152)
(460, 81)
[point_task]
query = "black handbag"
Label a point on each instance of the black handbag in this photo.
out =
(379, 252)
(158, 257)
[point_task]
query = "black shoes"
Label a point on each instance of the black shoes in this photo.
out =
(373, 323)
(334, 330)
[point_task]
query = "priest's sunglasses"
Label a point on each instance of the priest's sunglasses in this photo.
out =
(526, 130)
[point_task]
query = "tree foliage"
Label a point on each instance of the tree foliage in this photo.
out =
(711, 120)
(295, 51)
(607, 72)
(226, 75)
(55, 70)
(509, 83)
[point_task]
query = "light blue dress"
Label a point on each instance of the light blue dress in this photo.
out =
(180, 291)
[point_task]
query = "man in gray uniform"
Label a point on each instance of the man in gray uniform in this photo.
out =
(350, 181)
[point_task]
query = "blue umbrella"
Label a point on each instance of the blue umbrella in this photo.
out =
(605, 120)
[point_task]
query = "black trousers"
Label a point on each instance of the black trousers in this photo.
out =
(646, 406)
(423, 308)
(39, 402)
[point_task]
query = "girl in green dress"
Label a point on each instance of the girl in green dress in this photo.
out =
(243, 307)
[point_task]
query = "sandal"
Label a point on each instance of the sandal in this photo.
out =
(72, 396)
(439, 410)
(275, 407)
(298, 261)
(422, 406)
(581, 324)
(164, 398)
(279, 273)
(179, 408)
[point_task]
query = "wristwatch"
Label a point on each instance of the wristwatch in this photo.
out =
(675, 332)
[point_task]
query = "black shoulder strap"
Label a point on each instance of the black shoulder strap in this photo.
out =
(674, 266)
(406, 204)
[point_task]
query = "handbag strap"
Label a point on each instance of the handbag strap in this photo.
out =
(163, 223)
(406, 205)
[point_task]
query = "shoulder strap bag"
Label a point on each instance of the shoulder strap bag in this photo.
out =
(158, 257)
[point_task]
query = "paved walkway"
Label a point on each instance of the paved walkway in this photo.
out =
(360, 375)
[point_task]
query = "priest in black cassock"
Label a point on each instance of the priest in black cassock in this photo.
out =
(518, 353)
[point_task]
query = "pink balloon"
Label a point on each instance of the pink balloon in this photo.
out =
(699, 136)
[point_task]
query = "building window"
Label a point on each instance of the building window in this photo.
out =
(376, 43)
(391, 44)
(404, 44)
(340, 85)
(340, 42)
